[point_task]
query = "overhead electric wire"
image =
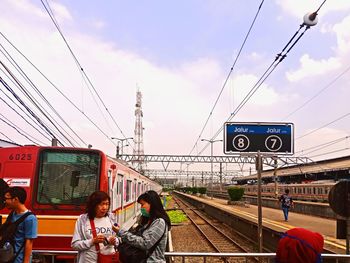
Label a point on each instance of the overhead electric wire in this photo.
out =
(340, 150)
(279, 58)
(21, 108)
(19, 130)
(80, 66)
(319, 92)
(24, 75)
(228, 76)
(35, 103)
(30, 97)
(323, 126)
(27, 108)
(10, 140)
(53, 85)
(322, 146)
(44, 135)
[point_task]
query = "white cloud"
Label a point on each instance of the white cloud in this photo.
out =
(310, 68)
(343, 35)
(316, 144)
(265, 95)
(299, 8)
(60, 12)
(98, 24)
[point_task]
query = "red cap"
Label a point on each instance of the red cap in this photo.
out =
(299, 245)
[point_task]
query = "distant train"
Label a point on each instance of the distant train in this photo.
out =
(315, 192)
(58, 181)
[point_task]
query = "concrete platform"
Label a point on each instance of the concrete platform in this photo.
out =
(273, 218)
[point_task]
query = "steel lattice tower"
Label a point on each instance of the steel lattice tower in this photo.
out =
(138, 137)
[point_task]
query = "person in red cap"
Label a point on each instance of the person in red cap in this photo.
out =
(299, 245)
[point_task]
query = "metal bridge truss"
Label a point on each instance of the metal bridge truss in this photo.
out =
(183, 173)
(268, 160)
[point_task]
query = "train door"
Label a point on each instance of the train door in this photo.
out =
(110, 189)
(120, 196)
(135, 195)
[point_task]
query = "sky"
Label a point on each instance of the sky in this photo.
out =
(179, 54)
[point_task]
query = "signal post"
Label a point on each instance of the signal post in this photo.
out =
(259, 139)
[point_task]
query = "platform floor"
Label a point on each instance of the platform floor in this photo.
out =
(273, 218)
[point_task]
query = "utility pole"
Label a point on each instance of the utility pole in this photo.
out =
(259, 167)
(122, 144)
(211, 163)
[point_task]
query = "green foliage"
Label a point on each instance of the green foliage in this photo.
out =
(194, 190)
(235, 193)
(177, 216)
(202, 190)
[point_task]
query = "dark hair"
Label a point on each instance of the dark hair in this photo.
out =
(156, 207)
(18, 192)
(286, 191)
(94, 200)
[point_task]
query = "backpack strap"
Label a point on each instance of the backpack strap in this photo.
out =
(22, 218)
(17, 222)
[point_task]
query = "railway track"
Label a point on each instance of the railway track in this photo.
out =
(216, 234)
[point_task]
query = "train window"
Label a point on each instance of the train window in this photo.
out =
(67, 177)
(135, 189)
(138, 188)
(128, 190)
(314, 190)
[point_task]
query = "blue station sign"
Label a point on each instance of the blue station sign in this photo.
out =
(254, 137)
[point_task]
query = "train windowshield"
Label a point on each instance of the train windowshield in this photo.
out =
(67, 177)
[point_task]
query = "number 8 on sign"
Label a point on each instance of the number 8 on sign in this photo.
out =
(240, 142)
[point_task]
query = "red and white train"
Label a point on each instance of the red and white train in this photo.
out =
(58, 181)
(315, 192)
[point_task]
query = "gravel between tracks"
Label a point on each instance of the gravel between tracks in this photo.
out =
(186, 238)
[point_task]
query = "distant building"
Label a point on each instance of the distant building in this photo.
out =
(4, 144)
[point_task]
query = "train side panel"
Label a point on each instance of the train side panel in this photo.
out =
(58, 180)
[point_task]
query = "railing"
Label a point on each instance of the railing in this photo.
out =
(265, 257)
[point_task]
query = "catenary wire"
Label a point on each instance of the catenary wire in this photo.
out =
(336, 151)
(323, 126)
(322, 146)
(19, 130)
(27, 108)
(34, 102)
(280, 57)
(28, 80)
(318, 93)
(55, 86)
(81, 68)
(8, 105)
(228, 77)
(19, 107)
(10, 140)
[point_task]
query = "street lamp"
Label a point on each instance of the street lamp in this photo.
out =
(122, 142)
(211, 154)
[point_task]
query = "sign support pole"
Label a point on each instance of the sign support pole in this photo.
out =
(347, 234)
(259, 170)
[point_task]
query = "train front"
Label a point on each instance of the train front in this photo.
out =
(58, 182)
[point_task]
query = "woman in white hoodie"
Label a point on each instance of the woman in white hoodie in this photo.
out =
(93, 233)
